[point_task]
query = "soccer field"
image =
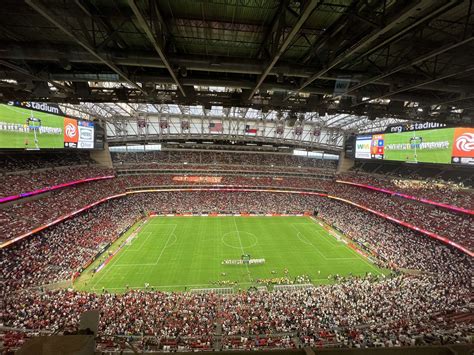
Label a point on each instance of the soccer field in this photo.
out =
(183, 253)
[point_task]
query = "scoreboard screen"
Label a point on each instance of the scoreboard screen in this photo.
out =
(454, 145)
(30, 125)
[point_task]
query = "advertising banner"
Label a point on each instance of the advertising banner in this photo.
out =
(71, 133)
(86, 135)
(363, 147)
(463, 146)
(377, 148)
(208, 179)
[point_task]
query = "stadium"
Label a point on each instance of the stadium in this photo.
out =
(293, 176)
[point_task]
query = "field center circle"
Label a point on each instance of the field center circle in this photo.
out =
(239, 240)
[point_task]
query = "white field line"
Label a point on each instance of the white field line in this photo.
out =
(130, 247)
(241, 247)
(298, 233)
(322, 237)
(159, 257)
(360, 257)
(109, 267)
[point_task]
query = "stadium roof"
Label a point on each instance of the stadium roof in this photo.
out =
(353, 65)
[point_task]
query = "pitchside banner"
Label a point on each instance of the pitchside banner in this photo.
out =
(33, 125)
(442, 146)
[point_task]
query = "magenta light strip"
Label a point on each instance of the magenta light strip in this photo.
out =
(51, 188)
(409, 197)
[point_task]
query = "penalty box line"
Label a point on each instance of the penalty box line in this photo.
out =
(323, 237)
(159, 257)
(357, 255)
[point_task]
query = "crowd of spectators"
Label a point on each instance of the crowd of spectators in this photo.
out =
(405, 309)
(455, 194)
(22, 217)
(41, 160)
(160, 180)
(55, 253)
(197, 168)
(17, 183)
(458, 227)
(454, 175)
(196, 159)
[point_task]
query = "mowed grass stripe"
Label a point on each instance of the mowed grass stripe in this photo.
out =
(176, 253)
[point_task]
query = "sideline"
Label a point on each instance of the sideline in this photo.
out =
(87, 274)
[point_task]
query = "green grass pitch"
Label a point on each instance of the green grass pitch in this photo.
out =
(179, 253)
(10, 139)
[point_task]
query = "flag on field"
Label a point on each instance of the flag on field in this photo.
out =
(215, 127)
(251, 130)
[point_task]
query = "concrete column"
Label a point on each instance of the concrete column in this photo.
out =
(344, 163)
(102, 157)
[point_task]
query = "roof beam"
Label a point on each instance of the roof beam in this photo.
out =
(159, 49)
(27, 73)
(459, 98)
(405, 30)
(91, 10)
(45, 13)
(392, 22)
(302, 19)
(417, 85)
(410, 63)
(275, 28)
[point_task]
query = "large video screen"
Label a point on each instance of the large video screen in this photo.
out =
(27, 128)
(442, 146)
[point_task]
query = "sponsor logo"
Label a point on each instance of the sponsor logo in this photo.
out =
(71, 134)
(465, 142)
(85, 145)
(38, 106)
(85, 134)
(70, 130)
(463, 146)
(417, 126)
(418, 145)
